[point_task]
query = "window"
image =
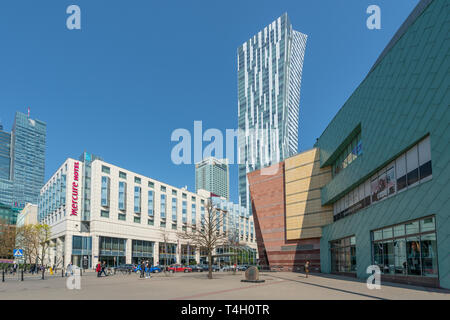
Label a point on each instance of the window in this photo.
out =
(174, 209)
(406, 249)
(104, 214)
(410, 168)
(151, 185)
(105, 191)
(194, 214)
(184, 212)
(163, 189)
(137, 199)
(106, 169)
(137, 180)
(162, 224)
(137, 219)
(122, 175)
(150, 222)
(122, 195)
(174, 226)
(343, 255)
(122, 216)
(163, 206)
(150, 203)
(348, 155)
(174, 192)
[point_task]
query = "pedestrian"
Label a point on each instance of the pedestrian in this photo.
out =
(15, 268)
(142, 269)
(103, 269)
(69, 269)
(98, 269)
(148, 267)
(307, 268)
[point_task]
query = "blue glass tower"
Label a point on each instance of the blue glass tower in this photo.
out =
(27, 159)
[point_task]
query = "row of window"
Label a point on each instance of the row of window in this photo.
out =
(350, 153)
(408, 248)
(410, 168)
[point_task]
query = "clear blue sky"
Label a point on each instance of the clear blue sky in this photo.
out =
(139, 69)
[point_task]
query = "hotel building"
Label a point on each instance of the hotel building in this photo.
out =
(375, 189)
(100, 212)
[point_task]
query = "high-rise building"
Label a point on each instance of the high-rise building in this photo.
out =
(213, 175)
(22, 161)
(269, 77)
(5, 154)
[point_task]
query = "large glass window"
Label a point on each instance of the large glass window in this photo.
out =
(122, 195)
(410, 168)
(137, 199)
(105, 191)
(163, 206)
(174, 209)
(406, 249)
(184, 211)
(343, 255)
(348, 155)
(194, 214)
(151, 205)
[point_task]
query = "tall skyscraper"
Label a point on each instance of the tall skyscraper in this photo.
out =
(26, 161)
(269, 78)
(213, 175)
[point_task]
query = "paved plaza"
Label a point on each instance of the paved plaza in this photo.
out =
(224, 286)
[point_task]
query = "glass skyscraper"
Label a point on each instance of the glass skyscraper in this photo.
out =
(25, 162)
(212, 175)
(269, 77)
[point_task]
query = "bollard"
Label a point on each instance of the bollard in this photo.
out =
(81, 272)
(62, 272)
(21, 278)
(43, 270)
(3, 275)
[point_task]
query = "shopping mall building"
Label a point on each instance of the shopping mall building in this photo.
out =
(375, 189)
(100, 212)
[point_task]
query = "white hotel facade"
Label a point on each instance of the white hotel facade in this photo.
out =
(100, 212)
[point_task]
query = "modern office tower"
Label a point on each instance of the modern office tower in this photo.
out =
(28, 159)
(213, 175)
(5, 154)
(269, 77)
(22, 161)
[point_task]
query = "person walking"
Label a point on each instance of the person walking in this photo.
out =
(103, 269)
(142, 269)
(307, 268)
(69, 269)
(98, 269)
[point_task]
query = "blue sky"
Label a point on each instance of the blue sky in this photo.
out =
(139, 69)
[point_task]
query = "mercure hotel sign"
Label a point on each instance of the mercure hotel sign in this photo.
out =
(75, 184)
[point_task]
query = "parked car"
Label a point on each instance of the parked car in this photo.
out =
(125, 268)
(242, 267)
(227, 268)
(155, 269)
(179, 268)
(215, 268)
(198, 268)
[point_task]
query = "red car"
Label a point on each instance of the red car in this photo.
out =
(179, 268)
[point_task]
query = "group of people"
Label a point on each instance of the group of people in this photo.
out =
(145, 269)
(101, 269)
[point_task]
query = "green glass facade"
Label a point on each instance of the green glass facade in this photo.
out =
(401, 113)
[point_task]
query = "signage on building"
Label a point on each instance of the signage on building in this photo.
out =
(76, 169)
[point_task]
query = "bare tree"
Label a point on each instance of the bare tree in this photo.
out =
(209, 235)
(233, 241)
(26, 239)
(43, 233)
(7, 239)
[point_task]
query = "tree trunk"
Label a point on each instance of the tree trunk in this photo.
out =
(209, 265)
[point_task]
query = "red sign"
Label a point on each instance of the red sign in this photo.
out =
(76, 168)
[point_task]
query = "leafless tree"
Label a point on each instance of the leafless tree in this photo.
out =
(7, 239)
(233, 241)
(210, 233)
